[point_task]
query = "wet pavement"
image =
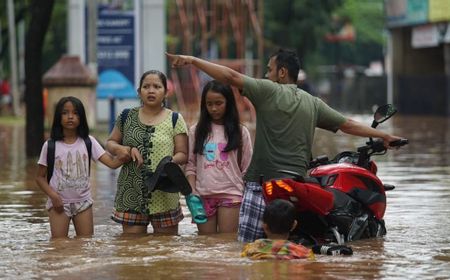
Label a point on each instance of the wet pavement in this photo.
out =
(417, 245)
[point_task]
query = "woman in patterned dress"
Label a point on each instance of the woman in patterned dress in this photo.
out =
(143, 136)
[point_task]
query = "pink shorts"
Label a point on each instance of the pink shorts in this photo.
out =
(211, 204)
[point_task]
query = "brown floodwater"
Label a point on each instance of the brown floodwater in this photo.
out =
(417, 245)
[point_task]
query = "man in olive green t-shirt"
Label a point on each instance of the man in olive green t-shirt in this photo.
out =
(286, 118)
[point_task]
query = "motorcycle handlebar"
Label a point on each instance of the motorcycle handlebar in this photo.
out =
(399, 143)
(378, 146)
(364, 152)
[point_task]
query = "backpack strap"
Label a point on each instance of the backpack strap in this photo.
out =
(123, 118)
(88, 143)
(174, 119)
(51, 155)
(50, 158)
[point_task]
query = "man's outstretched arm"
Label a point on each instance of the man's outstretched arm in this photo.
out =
(356, 128)
(219, 72)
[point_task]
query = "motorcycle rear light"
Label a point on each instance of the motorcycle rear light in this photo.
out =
(269, 188)
(283, 185)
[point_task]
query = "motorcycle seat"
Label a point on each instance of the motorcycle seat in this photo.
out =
(313, 180)
(299, 178)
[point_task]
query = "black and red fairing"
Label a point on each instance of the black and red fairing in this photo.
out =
(357, 182)
(305, 196)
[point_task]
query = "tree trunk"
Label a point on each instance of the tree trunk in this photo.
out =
(41, 12)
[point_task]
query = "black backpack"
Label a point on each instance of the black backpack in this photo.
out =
(51, 155)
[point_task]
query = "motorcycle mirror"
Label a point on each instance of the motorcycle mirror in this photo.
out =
(383, 113)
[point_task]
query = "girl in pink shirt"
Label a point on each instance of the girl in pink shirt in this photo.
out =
(220, 150)
(68, 188)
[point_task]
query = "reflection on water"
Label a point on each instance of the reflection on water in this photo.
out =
(417, 245)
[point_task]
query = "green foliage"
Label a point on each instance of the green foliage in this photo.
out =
(297, 24)
(11, 120)
(20, 14)
(302, 24)
(4, 54)
(367, 17)
(55, 44)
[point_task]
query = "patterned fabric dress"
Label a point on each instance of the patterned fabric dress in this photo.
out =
(276, 249)
(154, 143)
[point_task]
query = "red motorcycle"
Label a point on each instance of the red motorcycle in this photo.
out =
(342, 199)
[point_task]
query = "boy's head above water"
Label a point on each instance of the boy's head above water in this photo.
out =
(279, 219)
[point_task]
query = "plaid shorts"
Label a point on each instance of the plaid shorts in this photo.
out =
(167, 219)
(130, 218)
(158, 220)
(251, 213)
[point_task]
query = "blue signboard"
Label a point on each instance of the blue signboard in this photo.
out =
(116, 51)
(113, 84)
(406, 12)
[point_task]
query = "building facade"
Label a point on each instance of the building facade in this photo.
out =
(418, 56)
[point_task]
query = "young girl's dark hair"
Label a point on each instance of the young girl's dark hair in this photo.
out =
(57, 129)
(279, 215)
(231, 120)
(160, 74)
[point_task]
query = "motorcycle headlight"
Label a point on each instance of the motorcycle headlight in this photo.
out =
(346, 159)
